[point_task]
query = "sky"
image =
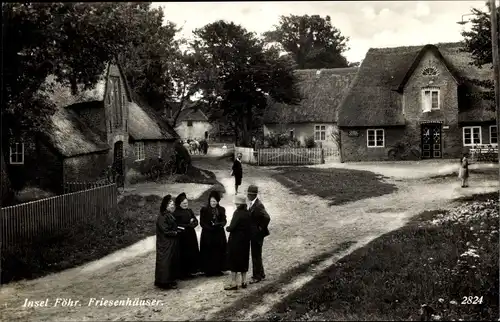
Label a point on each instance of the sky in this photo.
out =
(368, 24)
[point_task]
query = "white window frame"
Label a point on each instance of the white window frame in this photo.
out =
(375, 135)
(431, 90)
(140, 153)
(495, 143)
(318, 128)
(472, 135)
(17, 152)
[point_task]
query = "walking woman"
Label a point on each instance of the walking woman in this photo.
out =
(213, 243)
(463, 173)
(167, 246)
(237, 172)
(239, 243)
(188, 242)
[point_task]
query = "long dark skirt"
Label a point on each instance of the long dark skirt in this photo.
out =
(237, 180)
(189, 252)
(213, 250)
(167, 260)
(238, 252)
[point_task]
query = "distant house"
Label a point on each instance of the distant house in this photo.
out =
(90, 131)
(192, 123)
(418, 96)
(316, 115)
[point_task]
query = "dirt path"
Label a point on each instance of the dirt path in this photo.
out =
(302, 227)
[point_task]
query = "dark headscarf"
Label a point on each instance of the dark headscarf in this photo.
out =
(164, 203)
(214, 194)
(180, 198)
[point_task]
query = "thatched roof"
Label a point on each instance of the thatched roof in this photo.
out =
(374, 98)
(322, 91)
(192, 114)
(70, 136)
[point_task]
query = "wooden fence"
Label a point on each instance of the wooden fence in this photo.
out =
(43, 218)
(296, 156)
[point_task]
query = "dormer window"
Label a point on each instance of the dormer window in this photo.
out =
(430, 71)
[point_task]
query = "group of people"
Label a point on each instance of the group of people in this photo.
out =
(196, 146)
(177, 252)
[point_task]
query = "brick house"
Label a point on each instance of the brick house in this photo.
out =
(316, 115)
(106, 125)
(418, 97)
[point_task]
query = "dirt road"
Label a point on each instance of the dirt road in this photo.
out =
(302, 227)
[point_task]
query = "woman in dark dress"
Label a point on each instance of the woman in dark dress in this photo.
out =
(213, 241)
(167, 246)
(237, 172)
(188, 242)
(239, 243)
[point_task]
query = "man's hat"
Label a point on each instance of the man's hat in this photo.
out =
(253, 189)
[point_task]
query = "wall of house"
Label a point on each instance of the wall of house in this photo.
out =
(448, 112)
(196, 131)
(355, 148)
(152, 149)
(85, 168)
(26, 174)
(50, 169)
(302, 131)
(485, 134)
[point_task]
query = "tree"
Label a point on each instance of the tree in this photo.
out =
(312, 40)
(73, 42)
(477, 42)
(240, 75)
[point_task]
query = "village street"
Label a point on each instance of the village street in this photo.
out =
(302, 227)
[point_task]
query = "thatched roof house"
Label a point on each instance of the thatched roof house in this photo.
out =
(375, 96)
(322, 91)
(421, 95)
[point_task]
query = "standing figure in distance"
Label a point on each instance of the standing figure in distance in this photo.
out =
(237, 172)
(167, 246)
(260, 221)
(463, 172)
(239, 243)
(188, 242)
(213, 243)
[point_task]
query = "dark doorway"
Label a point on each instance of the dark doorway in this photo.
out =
(431, 141)
(118, 158)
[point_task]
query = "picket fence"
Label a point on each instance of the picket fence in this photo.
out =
(288, 156)
(43, 218)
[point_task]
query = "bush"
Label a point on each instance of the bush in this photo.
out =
(278, 140)
(310, 143)
(182, 154)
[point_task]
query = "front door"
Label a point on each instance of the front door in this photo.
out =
(431, 141)
(118, 158)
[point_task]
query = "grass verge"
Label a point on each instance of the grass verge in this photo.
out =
(133, 221)
(337, 185)
(436, 260)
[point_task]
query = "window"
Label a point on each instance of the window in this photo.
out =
(115, 99)
(319, 132)
(16, 153)
(471, 135)
(292, 135)
(430, 99)
(189, 123)
(139, 151)
(430, 71)
(375, 138)
(493, 134)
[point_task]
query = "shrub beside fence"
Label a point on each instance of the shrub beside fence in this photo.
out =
(46, 217)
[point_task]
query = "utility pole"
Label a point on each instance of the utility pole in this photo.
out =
(496, 76)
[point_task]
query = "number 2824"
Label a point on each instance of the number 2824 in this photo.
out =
(472, 300)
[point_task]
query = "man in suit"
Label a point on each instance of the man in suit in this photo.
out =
(259, 230)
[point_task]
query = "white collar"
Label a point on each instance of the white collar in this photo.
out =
(252, 202)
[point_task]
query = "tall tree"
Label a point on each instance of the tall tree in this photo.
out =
(312, 40)
(477, 41)
(241, 75)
